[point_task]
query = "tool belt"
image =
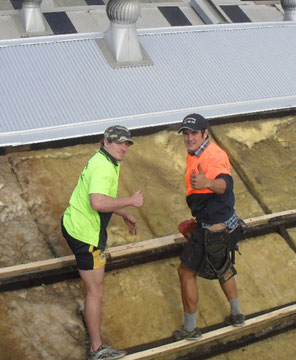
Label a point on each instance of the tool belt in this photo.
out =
(217, 262)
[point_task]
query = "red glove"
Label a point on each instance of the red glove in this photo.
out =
(186, 228)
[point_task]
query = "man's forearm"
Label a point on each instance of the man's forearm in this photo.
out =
(218, 186)
(121, 212)
(105, 203)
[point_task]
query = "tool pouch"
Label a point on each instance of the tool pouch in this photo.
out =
(186, 228)
(217, 263)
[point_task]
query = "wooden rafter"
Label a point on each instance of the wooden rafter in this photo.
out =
(267, 320)
(53, 270)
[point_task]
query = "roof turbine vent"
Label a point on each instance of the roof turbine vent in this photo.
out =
(32, 17)
(289, 7)
(121, 37)
(123, 11)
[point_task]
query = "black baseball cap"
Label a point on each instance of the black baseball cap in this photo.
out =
(194, 122)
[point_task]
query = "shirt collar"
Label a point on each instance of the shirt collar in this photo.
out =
(105, 153)
(201, 149)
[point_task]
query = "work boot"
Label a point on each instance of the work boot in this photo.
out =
(181, 334)
(106, 352)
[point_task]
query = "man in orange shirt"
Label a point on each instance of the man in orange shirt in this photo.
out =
(210, 197)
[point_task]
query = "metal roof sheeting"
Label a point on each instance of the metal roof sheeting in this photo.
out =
(8, 27)
(61, 86)
(87, 19)
(65, 17)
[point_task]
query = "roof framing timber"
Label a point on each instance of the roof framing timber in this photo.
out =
(258, 325)
(62, 268)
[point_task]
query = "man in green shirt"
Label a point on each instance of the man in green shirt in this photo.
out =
(84, 226)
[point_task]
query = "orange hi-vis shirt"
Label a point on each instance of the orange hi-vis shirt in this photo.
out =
(213, 161)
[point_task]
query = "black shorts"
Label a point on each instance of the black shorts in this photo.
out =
(88, 257)
(194, 250)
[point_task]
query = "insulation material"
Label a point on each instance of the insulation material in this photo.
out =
(292, 234)
(141, 303)
(153, 287)
(155, 164)
(265, 151)
(21, 241)
(266, 273)
(48, 178)
(42, 323)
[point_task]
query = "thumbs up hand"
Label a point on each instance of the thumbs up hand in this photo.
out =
(200, 170)
(199, 181)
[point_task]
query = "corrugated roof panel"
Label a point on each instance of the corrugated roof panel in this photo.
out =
(76, 16)
(56, 87)
(95, 20)
(151, 17)
(226, 64)
(8, 27)
(191, 15)
(263, 12)
(256, 11)
(89, 21)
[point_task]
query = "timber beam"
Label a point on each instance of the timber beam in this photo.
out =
(64, 268)
(224, 338)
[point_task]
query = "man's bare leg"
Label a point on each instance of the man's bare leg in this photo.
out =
(189, 290)
(230, 289)
(94, 283)
(189, 294)
(236, 316)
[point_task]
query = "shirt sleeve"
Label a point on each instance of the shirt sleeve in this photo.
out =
(100, 181)
(229, 181)
(217, 165)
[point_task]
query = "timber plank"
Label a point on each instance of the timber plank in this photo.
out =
(111, 253)
(142, 246)
(264, 219)
(173, 348)
(37, 266)
(139, 252)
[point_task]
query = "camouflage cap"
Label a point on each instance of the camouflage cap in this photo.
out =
(118, 134)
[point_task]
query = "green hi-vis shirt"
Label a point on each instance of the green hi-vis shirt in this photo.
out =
(100, 176)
